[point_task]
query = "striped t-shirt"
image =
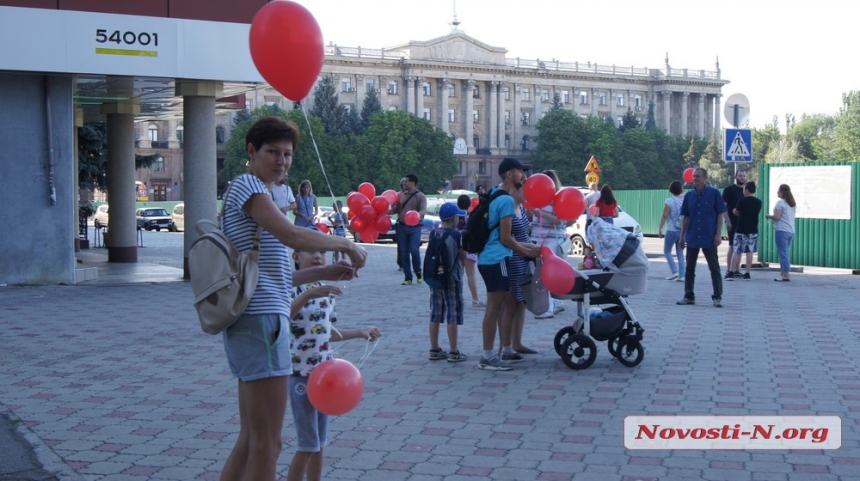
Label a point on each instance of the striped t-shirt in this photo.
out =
(276, 276)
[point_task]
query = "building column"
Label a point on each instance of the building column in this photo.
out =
(468, 125)
(360, 91)
(419, 97)
(537, 101)
(612, 105)
(201, 176)
(593, 100)
(667, 111)
(443, 104)
(493, 100)
(122, 236)
(409, 86)
(684, 97)
(383, 93)
(516, 122)
(500, 115)
(701, 116)
(717, 112)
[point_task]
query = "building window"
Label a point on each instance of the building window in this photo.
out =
(158, 165)
(347, 107)
(219, 134)
(153, 133)
(507, 117)
(527, 142)
(602, 97)
(638, 101)
(370, 84)
(346, 85)
(392, 108)
(426, 113)
(475, 116)
(526, 118)
(451, 90)
(621, 100)
(544, 95)
(451, 116)
(476, 92)
(583, 98)
(527, 94)
(476, 141)
(180, 133)
(461, 167)
(565, 97)
(507, 141)
(426, 87)
(507, 92)
(392, 87)
(619, 120)
(482, 168)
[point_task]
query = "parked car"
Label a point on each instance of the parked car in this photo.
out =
(100, 217)
(154, 218)
(178, 216)
(576, 231)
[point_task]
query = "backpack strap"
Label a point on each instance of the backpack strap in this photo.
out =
(255, 249)
(498, 193)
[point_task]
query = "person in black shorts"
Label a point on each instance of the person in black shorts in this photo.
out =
(731, 195)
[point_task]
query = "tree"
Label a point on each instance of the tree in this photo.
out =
(847, 133)
(629, 121)
(370, 107)
(92, 157)
(651, 122)
(241, 116)
(784, 151)
(712, 162)
(691, 155)
(327, 107)
(561, 145)
(556, 102)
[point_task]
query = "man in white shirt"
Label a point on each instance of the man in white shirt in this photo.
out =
(283, 196)
(590, 199)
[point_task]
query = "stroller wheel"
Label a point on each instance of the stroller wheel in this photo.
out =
(630, 352)
(612, 344)
(560, 337)
(578, 351)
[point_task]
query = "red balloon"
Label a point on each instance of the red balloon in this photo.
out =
(380, 204)
(350, 214)
(688, 174)
(367, 189)
(358, 225)
(287, 48)
(569, 203)
(412, 218)
(593, 209)
(474, 203)
(369, 235)
(557, 275)
(355, 201)
(527, 206)
(335, 387)
(390, 196)
(322, 227)
(539, 190)
(367, 214)
(383, 224)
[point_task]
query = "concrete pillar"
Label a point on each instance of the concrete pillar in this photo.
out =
(667, 111)
(593, 100)
(419, 97)
(537, 103)
(701, 116)
(201, 179)
(383, 93)
(684, 98)
(78, 122)
(516, 122)
(443, 104)
(493, 100)
(717, 113)
(500, 114)
(360, 92)
(409, 87)
(612, 105)
(468, 105)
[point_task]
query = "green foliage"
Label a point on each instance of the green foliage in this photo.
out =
(92, 157)
(335, 117)
(370, 107)
(235, 149)
(556, 102)
(629, 121)
(651, 121)
(718, 171)
(847, 133)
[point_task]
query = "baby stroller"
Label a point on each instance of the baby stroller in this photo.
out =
(624, 273)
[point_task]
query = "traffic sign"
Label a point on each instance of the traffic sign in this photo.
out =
(592, 178)
(592, 165)
(737, 145)
(737, 110)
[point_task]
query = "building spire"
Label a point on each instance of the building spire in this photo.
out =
(455, 23)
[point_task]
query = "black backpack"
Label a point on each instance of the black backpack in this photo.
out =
(478, 228)
(437, 261)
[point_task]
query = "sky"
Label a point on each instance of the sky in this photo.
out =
(784, 56)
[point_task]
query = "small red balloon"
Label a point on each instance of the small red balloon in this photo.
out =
(593, 209)
(286, 30)
(474, 203)
(539, 190)
(367, 189)
(322, 227)
(569, 203)
(412, 218)
(369, 235)
(350, 215)
(356, 200)
(383, 224)
(380, 204)
(688, 174)
(335, 387)
(557, 275)
(527, 205)
(358, 225)
(390, 196)
(367, 214)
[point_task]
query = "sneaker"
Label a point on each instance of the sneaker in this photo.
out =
(512, 357)
(746, 276)
(546, 315)
(494, 364)
(738, 274)
(680, 279)
(456, 357)
(407, 282)
(557, 308)
(718, 302)
(438, 355)
(686, 302)
(672, 277)
(730, 276)
(420, 280)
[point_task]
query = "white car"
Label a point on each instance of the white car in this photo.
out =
(100, 217)
(576, 231)
(178, 216)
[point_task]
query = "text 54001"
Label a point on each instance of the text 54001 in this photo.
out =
(127, 38)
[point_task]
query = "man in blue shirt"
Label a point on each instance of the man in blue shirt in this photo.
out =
(703, 211)
(493, 265)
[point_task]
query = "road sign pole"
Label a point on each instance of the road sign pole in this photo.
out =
(736, 117)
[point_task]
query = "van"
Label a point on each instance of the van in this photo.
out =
(178, 216)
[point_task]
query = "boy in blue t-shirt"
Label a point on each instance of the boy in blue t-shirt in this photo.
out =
(446, 304)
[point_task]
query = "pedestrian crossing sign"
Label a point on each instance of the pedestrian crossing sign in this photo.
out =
(737, 145)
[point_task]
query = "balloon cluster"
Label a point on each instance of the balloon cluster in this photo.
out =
(335, 387)
(368, 212)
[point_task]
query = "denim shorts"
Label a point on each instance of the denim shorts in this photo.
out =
(258, 346)
(311, 425)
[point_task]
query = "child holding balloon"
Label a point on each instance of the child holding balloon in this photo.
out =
(312, 312)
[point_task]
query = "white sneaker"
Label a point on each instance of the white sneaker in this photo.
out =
(546, 315)
(680, 279)
(557, 308)
(672, 277)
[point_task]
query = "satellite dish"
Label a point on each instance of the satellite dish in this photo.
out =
(737, 110)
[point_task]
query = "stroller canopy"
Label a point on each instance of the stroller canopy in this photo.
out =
(618, 250)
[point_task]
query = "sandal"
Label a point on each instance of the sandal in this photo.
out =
(478, 303)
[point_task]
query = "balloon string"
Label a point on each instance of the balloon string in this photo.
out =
(317, 150)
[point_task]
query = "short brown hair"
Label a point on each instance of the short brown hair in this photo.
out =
(272, 129)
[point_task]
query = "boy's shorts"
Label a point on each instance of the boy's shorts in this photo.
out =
(258, 346)
(446, 305)
(746, 243)
(495, 276)
(311, 425)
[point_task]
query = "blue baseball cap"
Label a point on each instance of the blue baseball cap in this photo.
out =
(449, 210)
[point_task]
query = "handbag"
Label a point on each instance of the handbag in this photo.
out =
(534, 292)
(222, 278)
